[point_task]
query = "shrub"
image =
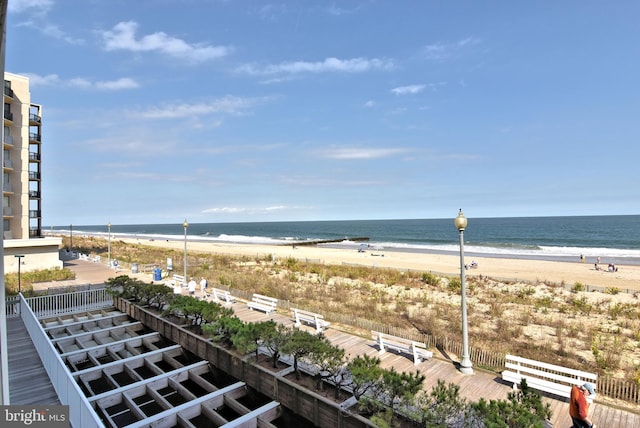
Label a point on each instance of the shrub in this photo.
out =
(577, 287)
(430, 279)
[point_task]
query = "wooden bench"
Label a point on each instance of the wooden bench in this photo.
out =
(263, 303)
(310, 318)
(417, 349)
(222, 296)
(545, 377)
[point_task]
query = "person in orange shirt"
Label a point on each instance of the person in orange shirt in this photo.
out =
(579, 407)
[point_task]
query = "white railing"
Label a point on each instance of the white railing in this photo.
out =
(68, 303)
(12, 306)
(81, 414)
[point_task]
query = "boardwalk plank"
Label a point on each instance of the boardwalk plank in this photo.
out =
(28, 380)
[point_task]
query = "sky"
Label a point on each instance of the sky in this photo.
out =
(156, 111)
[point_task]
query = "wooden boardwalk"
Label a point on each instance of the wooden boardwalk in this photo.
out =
(482, 384)
(28, 380)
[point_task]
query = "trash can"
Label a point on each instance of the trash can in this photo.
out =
(157, 274)
(134, 268)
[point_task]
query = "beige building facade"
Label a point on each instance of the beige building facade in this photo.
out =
(22, 182)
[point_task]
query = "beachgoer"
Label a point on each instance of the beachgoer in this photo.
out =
(191, 286)
(579, 407)
(203, 285)
(598, 259)
(596, 266)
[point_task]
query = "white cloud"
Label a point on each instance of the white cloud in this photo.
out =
(81, 82)
(272, 12)
(228, 105)
(19, 6)
(411, 89)
(360, 153)
(37, 19)
(444, 51)
(370, 104)
(123, 37)
(114, 85)
(37, 80)
(354, 65)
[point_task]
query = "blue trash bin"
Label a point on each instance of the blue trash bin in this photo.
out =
(157, 274)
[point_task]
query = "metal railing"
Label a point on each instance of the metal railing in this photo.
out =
(81, 414)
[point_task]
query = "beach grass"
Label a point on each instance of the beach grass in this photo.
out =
(535, 319)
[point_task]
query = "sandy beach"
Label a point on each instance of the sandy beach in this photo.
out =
(627, 278)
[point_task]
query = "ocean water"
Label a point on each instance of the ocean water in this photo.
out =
(615, 239)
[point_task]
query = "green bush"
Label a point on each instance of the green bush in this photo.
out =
(27, 279)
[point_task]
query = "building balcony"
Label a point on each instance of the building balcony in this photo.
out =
(8, 140)
(34, 119)
(34, 175)
(7, 188)
(34, 213)
(34, 157)
(7, 163)
(7, 211)
(8, 92)
(35, 137)
(35, 233)
(34, 194)
(8, 116)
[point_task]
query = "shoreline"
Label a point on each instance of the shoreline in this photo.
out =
(503, 268)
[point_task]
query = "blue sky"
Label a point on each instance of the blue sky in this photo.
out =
(233, 111)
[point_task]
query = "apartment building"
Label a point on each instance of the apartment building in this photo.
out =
(22, 181)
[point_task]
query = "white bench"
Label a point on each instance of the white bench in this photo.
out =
(222, 296)
(263, 303)
(179, 280)
(417, 349)
(311, 318)
(545, 377)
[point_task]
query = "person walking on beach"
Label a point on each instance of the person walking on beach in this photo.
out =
(579, 407)
(203, 286)
(191, 286)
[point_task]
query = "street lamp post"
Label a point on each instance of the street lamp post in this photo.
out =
(109, 245)
(185, 225)
(465, 363)
(71, 237)
(19, 257)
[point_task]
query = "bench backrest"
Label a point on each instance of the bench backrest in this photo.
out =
(222, 294)
(265, 300)
(307, 313)
(394, 339)
(178, 277)
(553, 372)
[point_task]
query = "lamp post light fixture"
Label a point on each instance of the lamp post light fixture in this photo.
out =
(19, 257)
(109, 245)
(185, 224)
(465, 362)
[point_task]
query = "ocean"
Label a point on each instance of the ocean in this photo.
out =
(616, 239)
